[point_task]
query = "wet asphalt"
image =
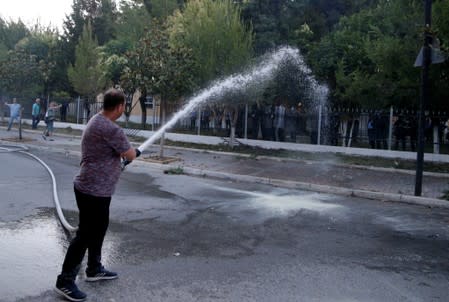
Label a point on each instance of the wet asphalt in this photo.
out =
(201, 238)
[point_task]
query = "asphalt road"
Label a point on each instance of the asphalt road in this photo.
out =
(182, 238)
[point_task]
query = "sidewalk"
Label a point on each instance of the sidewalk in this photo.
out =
(324, 176)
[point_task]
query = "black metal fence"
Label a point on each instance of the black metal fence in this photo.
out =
(393, 129)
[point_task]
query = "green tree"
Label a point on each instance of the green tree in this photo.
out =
(19, 75)
(103, 22)
(221, 43)
(12, 32)
(132, 24)
(42, 43)
(72, 30)
(440, 72)
(368, 59)
(102, 15)
(297, 23)
(42, 47)
(158, 69)
(87, 75)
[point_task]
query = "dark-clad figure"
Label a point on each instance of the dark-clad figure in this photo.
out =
(267, 122)
(413, 132)
(381, 127)
(279, 121)
(400, 130)
(103, 145)
(291, 121)
(63, 111)
(371, 133)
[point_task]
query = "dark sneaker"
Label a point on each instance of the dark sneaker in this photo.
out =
(69, 290)
(100, 274)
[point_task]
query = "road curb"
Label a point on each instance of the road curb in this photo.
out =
(381, 196)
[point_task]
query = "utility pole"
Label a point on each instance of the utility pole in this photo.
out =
(425, 93)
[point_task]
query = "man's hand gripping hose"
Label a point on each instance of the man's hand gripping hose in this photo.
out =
(126, 162)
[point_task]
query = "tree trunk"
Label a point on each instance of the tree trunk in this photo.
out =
(344, 129)
(232, 136)
(143, 108)
(234, 119)
(128, 108)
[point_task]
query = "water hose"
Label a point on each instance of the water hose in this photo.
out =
(23, 150)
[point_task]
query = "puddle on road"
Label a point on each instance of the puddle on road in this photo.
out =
(31, 254)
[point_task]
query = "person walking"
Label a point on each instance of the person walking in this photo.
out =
(279, 121)
(36, 113)
(103, 145)
(14, 112)
(50, 117)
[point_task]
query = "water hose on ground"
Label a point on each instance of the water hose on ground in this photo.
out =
(23, 150)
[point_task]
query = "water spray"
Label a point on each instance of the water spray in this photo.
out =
(261, 73)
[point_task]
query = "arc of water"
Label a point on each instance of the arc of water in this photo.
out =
(260, 73)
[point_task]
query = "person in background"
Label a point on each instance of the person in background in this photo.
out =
(192, 120)
(36, 113)
(291, 121)
(400, 132)
(267, 122)
(413, 132)
(14, 112)
(371, 133)
(50, 117)
(63, 111)
(279, 121)
(381, 129)
(428, 128)
(446, 131)
(103, 145)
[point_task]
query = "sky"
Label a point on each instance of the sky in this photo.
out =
(48, 12)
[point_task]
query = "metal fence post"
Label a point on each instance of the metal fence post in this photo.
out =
(246, 121)
(320, 111)
(78, 111)
(436, 140)
(199, 120)
(20, 123)
(390, 129)
(154, 114)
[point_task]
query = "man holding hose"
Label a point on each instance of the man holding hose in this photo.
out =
(103, 145)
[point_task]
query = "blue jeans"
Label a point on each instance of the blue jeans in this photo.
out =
(50, 126)
(11, 120)
(36, 120)
(93, 223)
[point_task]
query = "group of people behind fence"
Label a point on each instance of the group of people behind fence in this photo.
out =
(279, 122)
(269, 121)
(405, 129)
(275, 122)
